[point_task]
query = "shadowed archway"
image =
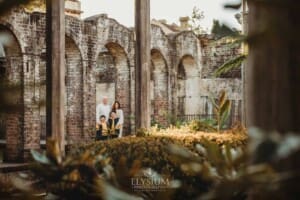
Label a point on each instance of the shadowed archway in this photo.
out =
(188, 86)
(113, 79)
(74, 88)
(11, 76)
(159, 88)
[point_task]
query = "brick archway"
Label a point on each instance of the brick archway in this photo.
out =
(188, 86)
(113, 72)
(159, 84)
(12, 119)
(74, 87)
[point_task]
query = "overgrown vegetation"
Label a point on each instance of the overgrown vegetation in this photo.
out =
(198, 166)
(221, 108)
(229, 65)
(104, 169)
(221, 30)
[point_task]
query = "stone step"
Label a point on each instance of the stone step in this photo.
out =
(13, 167)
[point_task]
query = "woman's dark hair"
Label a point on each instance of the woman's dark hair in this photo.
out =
(112, 111)
(114, 106)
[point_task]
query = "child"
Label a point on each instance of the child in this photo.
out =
(113, 124)
(101, 127)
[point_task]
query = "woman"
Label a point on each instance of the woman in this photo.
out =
(117, 109)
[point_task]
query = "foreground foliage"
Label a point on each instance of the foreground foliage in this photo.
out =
(199, 166)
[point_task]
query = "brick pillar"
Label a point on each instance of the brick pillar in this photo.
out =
(15, 118)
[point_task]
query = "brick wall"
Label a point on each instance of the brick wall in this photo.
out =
(217, 52)
(160, 87)
(100, 50)
(74, 95)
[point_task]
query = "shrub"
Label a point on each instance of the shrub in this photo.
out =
(153, 152)
(200, 125)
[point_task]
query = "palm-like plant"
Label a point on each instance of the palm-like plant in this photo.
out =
(230, 65)
(235, 62)
(222, 108)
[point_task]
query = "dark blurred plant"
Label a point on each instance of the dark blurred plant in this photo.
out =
(233, 177)
(83, 176)
(6, 5)
(89, 175)
(19, 186)
(152, 152)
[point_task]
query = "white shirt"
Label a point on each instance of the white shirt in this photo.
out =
(102, 110)
(120, 116)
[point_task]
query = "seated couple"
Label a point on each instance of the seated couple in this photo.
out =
(109, 129)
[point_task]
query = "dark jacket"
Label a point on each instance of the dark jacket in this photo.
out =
(100, 133)
(110, 122)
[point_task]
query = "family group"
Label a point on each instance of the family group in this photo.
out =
(110, 120)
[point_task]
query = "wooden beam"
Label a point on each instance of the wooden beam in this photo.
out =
(55, 41)
(142, 71)
(273, 71)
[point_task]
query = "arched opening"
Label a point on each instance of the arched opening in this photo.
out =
(159, 85)
(74, 91)
(11, 119)
(105, 77)
(113, 79)
(188, 87)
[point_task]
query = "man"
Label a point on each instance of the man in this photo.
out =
(103, 109)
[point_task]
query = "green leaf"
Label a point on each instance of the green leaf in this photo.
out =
(224, 112)
(225, 107)
(41, 158)
(230, 65)
(212, 100)
(222, 98)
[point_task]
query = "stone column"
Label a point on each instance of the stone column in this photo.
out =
(142, 75)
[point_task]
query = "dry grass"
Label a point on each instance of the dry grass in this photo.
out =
(235, 136)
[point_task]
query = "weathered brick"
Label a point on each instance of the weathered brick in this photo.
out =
(99, 50)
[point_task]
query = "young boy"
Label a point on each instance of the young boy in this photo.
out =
(101, 127)
(112, 124)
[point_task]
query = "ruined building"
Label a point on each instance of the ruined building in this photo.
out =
(100, 61)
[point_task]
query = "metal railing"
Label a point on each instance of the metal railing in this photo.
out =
(43, 127)
(187, 118)
(2, 128)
